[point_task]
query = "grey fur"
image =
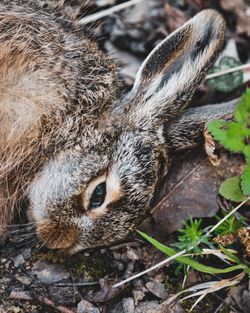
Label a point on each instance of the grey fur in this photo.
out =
(186, 131)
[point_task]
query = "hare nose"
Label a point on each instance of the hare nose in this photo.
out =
(56, 235)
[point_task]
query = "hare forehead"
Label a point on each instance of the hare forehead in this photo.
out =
(62, 178)
(54, 182)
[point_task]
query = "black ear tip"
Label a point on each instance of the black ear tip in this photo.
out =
(212, 17)
(208, 27)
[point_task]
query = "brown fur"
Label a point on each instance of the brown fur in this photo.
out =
(65, 235)
(40, 68)
(65, 128)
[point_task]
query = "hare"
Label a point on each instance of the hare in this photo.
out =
(85, 160)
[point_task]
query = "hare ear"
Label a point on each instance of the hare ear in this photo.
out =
(170, 74)
(186, 131)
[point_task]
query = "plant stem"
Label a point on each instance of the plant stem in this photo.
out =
(228, 71)
(96, 16)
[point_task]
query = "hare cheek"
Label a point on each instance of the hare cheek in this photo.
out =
(37, 213)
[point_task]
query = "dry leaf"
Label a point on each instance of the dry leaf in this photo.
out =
(244, 236)
(190, 189)
(210, 147)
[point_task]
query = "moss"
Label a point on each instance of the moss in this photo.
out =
(92, 267)
(50, 256)
(204, 306)
(172, 288)
(207, 305)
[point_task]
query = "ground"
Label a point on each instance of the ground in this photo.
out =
(39, 280)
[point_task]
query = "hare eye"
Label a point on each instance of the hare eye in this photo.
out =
(98, 196)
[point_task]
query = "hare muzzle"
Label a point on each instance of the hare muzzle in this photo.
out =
(56, 235)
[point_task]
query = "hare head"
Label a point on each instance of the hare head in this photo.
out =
(97, 189)
(89, 197)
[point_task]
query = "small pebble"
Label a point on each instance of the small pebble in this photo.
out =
(138, 296)
(117, 256)
(61, 295)
(20, 295)
(48, 273)
(157, 289)
(147, 306)
(25, 280)
(86, 307)
(128, 305)
(119, 265)
(18, 260)
(26, 253)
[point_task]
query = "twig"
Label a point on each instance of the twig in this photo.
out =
(96, 16)
(228, 71)
(60, 308)
(125, 244)
(173, 257)
(151, 268)
(228, 304)
(219, 307)
(226, 217)
(86, 284)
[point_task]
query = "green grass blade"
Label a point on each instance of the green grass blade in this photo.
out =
(232, 256)
(185, 260)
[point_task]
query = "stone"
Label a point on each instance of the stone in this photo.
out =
(86, 307)
(138, 296)
(119, 265)
(62, 295)
(25, 280)
(18, 260)
(147, 306)
(20, 295)
(48, 273)
(128, 305)
(157, 289)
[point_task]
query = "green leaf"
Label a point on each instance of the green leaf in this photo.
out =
(245, 180)
(185, 260)
(218, 129)
(229, 134)
(231, 255)
(228, 82)
(242, 111)
(246, 152)
(236, 137)
(192, 235)
(228, 226)
(230, 189)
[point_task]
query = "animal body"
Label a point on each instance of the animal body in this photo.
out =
(85, 160)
